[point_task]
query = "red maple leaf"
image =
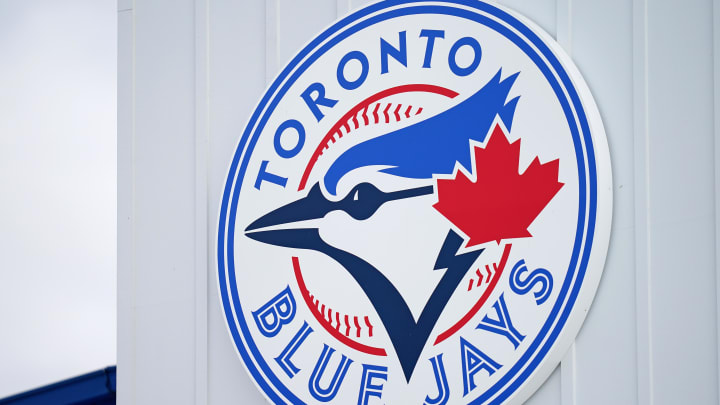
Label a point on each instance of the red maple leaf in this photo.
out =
(501, 203)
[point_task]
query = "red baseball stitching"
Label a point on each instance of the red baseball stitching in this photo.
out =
(487, 276)
(354, 122)
(361, 109)
(481, 301)
(318, 311)
(335, 323)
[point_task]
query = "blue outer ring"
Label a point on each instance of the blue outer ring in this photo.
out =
(539, 348)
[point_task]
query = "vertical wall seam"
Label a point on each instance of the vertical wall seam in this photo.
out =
(126, 275)
(563, 34)
(201, 196)
(643, 246)
(133, 208)
(272, 43)
(716, 139)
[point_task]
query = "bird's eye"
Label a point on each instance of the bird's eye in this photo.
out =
(363, 207)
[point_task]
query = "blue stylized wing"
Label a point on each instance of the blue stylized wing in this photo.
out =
(435, 144)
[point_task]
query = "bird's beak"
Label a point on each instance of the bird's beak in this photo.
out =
(292, 224)
(295, 214)
(299, 215)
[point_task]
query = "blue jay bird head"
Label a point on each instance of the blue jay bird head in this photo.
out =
(413, 155)
(388, 213)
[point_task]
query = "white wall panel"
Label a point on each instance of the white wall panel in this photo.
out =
(716, 138)
(294, 23)
(156, 319)
(190, 73)
(549, 392)
(541, 12)
(125, 204)
(237, 81)
(681, 205)
(605, 347)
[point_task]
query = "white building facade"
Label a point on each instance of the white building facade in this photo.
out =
(190, 73)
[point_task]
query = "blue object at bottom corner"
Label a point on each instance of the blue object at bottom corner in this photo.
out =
(96, 388)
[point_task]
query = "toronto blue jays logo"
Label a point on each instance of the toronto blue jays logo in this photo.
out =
(411, 212)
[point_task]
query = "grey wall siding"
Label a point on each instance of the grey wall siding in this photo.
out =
(190, 72)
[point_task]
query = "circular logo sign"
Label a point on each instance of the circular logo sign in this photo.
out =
(418, 211)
